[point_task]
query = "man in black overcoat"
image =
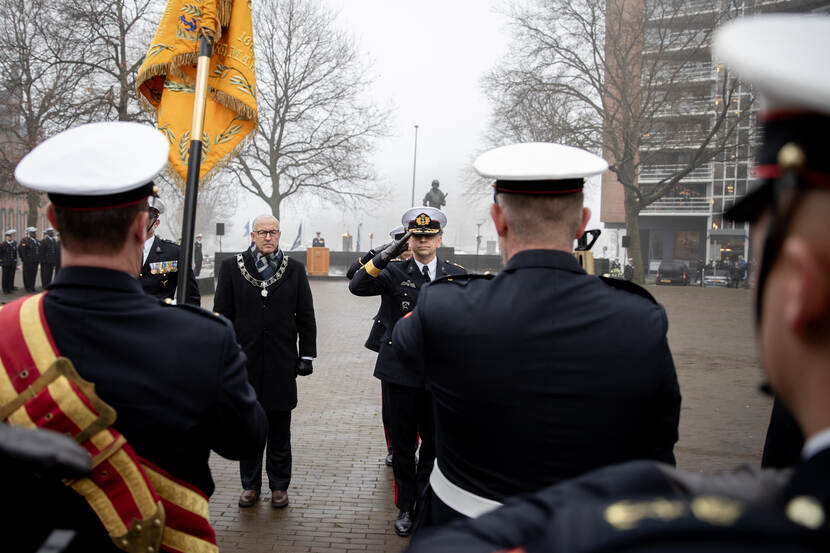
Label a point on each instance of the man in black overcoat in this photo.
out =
(48, 256)
(541, 372)
(160, 263)
(268, 298)
(410, 403)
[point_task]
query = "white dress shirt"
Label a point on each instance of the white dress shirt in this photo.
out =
(818, 442)
(148, 245)
(433, 265)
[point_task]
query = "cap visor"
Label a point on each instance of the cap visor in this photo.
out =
(750, 207)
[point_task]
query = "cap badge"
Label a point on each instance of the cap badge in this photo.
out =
(422, 220)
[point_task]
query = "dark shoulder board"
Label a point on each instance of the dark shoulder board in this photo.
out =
(462, 279)
(216, 317)
(455, 264)
(628, 286)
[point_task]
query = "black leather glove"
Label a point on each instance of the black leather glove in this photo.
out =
(380, 248)
(304, 367)
(393, 250)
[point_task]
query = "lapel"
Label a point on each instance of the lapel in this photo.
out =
(413, 273)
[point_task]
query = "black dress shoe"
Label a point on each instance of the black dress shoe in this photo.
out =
(388, 459)
(403, 524)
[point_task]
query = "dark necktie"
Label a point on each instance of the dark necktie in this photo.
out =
(426, 273)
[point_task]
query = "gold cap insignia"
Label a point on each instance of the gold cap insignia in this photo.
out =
(422, 220)
(806, 511)
(715, 510)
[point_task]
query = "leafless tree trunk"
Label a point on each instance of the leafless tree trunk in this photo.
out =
(601, 74)
(39, 95)
(115, 33)
(316, 129)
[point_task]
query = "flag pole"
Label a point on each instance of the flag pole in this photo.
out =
(193, 166)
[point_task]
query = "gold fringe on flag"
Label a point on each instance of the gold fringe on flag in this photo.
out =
(167, 78)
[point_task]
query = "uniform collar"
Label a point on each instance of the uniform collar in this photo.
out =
(96, 277)
(433, 266)
(818, 442)
(552, 259)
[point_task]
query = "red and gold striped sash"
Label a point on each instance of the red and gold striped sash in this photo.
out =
(142, 507)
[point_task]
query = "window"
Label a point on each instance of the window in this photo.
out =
(655, 245)
(686, 245)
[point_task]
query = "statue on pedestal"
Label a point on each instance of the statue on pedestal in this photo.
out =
(435, 198)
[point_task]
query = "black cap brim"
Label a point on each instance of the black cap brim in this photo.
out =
(751, 206)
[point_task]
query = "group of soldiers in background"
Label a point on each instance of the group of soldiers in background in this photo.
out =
(32, 253)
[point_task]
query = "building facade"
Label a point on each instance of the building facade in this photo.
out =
(687, 223)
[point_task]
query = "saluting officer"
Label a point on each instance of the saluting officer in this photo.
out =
(160, 261)
(8, 260)
(29, 251)
(380, 324)
(541, 372)
(410, 404)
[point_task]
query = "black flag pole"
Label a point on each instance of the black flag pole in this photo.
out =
(194, 164)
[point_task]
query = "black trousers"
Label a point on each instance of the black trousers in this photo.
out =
(47, 271)
(277, 456)
(411, 411)
(197, 268)
(385, 415)
(8, 278)
(29, 276)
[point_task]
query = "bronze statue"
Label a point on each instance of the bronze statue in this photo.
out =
(435, 198)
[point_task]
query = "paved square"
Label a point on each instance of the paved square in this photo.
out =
(341, 491)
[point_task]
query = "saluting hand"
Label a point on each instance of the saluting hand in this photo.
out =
(395, 247)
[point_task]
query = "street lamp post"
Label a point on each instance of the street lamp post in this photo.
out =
(414, 163)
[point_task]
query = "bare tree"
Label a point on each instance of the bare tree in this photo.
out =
(216, 200)
(115, 33)
(602, 74)
(39, 95)
(315, 128)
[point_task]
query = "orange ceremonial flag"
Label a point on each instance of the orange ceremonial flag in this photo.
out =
(166, 79)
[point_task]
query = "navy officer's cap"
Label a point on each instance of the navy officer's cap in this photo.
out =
(96, 166)
(424, 220)
(785, 58)
(538, 168)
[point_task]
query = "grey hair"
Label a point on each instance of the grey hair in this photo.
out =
(264, 217)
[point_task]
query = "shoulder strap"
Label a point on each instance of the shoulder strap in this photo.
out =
(39, 389)
(628, 286)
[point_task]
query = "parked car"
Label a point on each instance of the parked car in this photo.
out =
(716, 277)
(673, 272)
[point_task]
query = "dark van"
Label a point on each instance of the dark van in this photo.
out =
(673, 272)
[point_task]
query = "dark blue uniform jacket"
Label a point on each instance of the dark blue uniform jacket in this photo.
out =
(175, 375)
(541, 373)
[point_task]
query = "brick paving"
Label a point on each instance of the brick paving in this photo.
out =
(342, 492)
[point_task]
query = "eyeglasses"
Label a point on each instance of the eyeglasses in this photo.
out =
(264, 233)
